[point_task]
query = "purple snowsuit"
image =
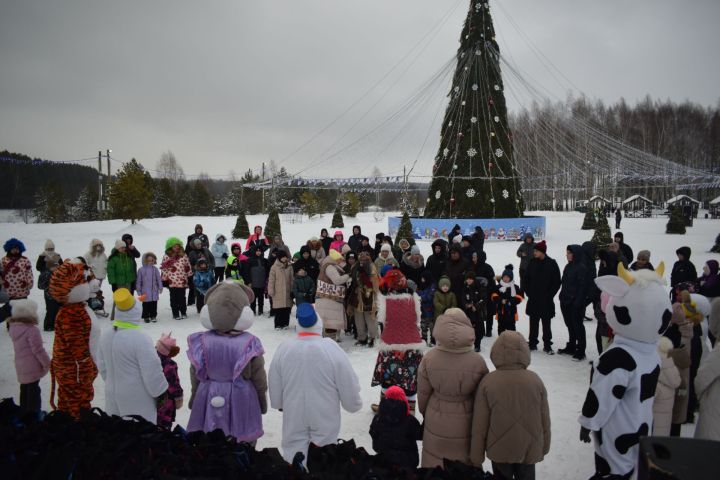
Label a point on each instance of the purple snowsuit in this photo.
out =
(166, 402)
(218, 362)
(149, 283)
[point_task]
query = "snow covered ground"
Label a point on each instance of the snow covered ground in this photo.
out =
(565, 380)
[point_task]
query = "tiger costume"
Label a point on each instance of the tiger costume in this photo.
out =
(72, 366)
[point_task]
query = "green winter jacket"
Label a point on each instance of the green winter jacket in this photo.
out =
(303, 290)
(443, 301)
(120, 268)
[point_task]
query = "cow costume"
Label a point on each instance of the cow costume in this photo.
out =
(619, 403)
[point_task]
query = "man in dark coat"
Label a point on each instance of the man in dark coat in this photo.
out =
(455, 270)
(378, 244)
(355, 240)
(436, 262)
(593, 292)
(485, 270)
(624, 247)
(198, 234)
(525, 253)
(542, 282)
(478, 239)
(683, 270)
(573, 294)
(618, 218)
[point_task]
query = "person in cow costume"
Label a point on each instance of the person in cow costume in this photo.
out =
(618, 406)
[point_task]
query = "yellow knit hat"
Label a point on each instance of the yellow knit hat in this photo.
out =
(335, 255)
(123, 299)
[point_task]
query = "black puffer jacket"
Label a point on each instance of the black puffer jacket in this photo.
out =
(478, 239)
(310, 265)
(395, 434)
(589, 259)
(608, 263)
(437, 261)
(683, 270)
(624, 247)
(355, 240)
(575, 280)
(542, 282)
(455, 271)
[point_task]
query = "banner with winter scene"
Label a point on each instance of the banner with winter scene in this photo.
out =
(496, 229)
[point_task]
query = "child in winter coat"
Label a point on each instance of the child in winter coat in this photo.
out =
(17, 274)
(443, 299)
(172, 400)
(176, 270)
(203, 280)
(668, 382)
(338, 241)
(473, 304)
(303, 288)
(121, 267)
(507, 296)
(236, 265)
(220, 253)
(51, 306)
(97, 260)
(426, 292)
(395, 432)
(149, 286)
(31, 360)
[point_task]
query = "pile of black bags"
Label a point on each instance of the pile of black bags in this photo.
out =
(100, 446)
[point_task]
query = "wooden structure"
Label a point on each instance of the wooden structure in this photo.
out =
(715, 207)
(637, 206)
(688, 205)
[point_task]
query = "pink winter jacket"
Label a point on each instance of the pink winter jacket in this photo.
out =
(31, 359)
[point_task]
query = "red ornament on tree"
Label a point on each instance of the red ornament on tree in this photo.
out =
(452, 200)
(491, 102)
(490, 165)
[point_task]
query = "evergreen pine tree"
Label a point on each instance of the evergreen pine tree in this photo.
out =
(676, 222)
(184, 199)
(310, 203)
(337, 220)
(589, 222)
(201, 199)
(601, 238)
(129, 197)
(473, 174)
(163, 202)
(242, 229)
(85, 208)
(351, 205)
(50, 204)
(405, 230)
(272, 226)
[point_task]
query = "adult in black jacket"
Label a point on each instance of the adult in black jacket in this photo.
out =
(593, 292)
(436, 262)
(326, 240)
(307, 263)
(455, 270)
(378, 244)
(624, 247)
(395, 432)
(478, 239)
(456, 230)
(366, 247)
(413, 264)
(198, 234)
(683, 270)
(573, 293)
(483, 269)
(355, 239)
(542, 283)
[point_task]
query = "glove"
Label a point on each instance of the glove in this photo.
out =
(178, 403)
(225, 256)
(584, 435)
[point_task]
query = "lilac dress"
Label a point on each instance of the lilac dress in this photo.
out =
(219, 361)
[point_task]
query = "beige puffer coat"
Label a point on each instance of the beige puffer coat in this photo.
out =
(668, 383)
(448, 377)
(681, 358)
(280, 284)
(511, 420)
(331, 310)
(707, 387)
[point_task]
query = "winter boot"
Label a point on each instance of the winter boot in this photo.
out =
(376, 406)
(371, 343)
(568, 350)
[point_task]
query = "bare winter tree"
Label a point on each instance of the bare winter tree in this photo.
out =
(169, 168)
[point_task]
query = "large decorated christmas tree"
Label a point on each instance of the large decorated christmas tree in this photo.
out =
(474, 175)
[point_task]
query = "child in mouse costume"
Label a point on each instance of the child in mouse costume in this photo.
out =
(227, 372)
(73, 366)
(618, 408)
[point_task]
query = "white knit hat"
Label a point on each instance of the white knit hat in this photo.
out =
(49, 244)
(119, 244)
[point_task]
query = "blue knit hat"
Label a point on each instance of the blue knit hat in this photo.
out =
(306, 316)
(508, 271)
(13, 243)
(386, 268)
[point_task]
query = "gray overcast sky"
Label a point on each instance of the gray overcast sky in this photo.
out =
(227, 84)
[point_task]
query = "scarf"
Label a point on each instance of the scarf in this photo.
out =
(504, 287)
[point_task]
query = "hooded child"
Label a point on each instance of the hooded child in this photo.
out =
(448, 378)
(395, 431)
(511, 414)
(236, 265)
(229, 383)
(73, 365)
(129, 364)
(220, 253)
(121, 267)
(338, 241)
(31, 360)
(172, 400)
(400, 343)
(311, 378)
(203, 279)
(149, 286)
(176, 271)
(507, 297)
(303, 290)
(17, 277)
(96, 259)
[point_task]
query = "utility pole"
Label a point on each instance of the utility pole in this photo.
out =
(263, 187)
(100, 183)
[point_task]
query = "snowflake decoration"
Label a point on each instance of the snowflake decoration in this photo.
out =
(455, 167)
(478, 6)
(499, 152)
(492, 200)
(470, 192)
(463, 103)
(446, 151)
(466, 69)
(471, 152)
(497, 119)
(505, 194)
(497, 87)
(473, 120)
(474, 87)
(492, 134)
(437, 195)
(450, 123)
(478, 52)
(456, 89)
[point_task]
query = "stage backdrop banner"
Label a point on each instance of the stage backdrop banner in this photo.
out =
(496, 229)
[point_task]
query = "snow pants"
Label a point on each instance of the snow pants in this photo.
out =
(298, 439)
(574, 321)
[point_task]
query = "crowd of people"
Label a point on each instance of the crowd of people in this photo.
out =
(426, 317)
